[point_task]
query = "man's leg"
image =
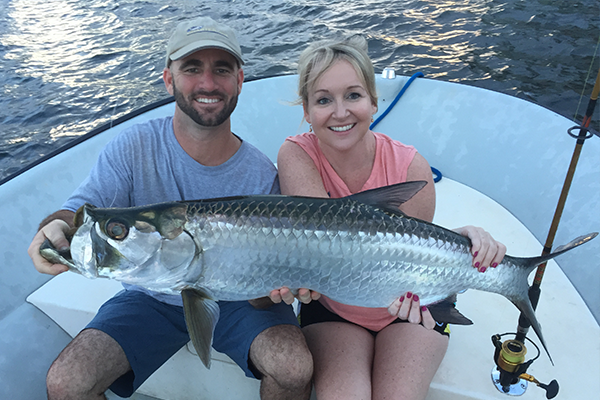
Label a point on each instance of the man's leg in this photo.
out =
(267, 344)
(113, 351)
(86, 367)
(281, 355)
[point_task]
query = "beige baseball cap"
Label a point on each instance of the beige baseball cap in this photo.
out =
(202, 33)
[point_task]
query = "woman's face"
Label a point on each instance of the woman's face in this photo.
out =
(339, 107)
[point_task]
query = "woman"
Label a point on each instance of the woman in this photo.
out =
(362, 353)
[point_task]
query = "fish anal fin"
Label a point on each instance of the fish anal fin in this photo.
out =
(201, 317)
(445, 311)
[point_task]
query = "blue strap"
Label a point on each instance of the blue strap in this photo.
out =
(387, 110)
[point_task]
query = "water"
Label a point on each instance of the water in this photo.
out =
(69, 65)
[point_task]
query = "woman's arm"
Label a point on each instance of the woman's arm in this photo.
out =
(298, 175)
(422, 205)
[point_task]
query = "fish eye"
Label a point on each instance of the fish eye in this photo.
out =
(116, 229)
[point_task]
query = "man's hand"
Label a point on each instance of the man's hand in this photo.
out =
(55, 231)
(285, 294)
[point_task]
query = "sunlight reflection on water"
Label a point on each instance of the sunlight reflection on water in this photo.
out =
(69, 66)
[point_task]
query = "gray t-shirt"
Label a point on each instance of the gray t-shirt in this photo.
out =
(145, 164)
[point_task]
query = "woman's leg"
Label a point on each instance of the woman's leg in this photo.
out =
(406, 359)
(343, 357)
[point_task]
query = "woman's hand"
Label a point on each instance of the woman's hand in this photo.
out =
(408, 308)
(285, 294)
(486, 251)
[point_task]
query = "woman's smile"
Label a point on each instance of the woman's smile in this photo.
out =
(342, 128)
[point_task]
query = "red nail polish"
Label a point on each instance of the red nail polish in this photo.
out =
(401, 299)
(475, 254)
(482, 269)
(494, 265)
(415, 298)
(423, 308)
(408, 295)
(477, 264)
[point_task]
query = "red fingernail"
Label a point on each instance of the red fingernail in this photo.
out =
(494, 265)
(401, 299)
(423, 308)
(415, 298)
(482, 269)
(477, 264)
(408, 295)
(475, 254)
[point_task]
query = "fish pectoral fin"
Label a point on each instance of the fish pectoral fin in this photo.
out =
(201, 316)
(445, 311)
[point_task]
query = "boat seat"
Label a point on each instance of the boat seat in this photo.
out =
(72, 301)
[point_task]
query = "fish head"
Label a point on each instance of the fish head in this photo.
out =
(146, 246)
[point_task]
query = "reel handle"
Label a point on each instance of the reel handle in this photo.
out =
(551, 388)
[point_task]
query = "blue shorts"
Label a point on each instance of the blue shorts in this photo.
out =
(150, 332)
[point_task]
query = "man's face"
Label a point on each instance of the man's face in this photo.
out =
(206, 85)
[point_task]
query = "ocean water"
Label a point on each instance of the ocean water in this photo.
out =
(68, 66)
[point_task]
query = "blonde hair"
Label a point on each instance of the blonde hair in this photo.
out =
(320, 56)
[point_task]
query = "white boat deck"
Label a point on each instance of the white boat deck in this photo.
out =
(71, 301)
(512, 150)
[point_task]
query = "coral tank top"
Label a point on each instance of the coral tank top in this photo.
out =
(392, 160)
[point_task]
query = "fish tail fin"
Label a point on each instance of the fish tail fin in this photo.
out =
(532, 262)
(524, 305)
(201, 316)
(521, 299)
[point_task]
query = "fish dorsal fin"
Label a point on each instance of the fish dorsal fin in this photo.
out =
(201, 317)
(389, 197)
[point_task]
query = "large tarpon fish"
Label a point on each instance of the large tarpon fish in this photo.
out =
(358, 250)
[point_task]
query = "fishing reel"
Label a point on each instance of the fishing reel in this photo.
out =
(509, 376)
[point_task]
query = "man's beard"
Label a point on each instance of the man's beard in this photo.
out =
(186, 105)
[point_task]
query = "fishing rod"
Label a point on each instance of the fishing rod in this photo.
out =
(509, 376)
(584, 134)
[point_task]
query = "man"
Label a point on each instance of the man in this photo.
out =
(191, 155)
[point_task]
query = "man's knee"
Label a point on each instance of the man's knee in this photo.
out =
(86, 367)
(62, 384)
(281, 353)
